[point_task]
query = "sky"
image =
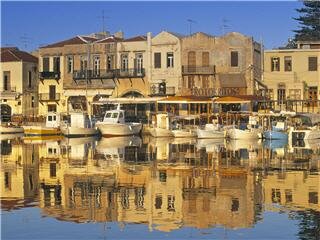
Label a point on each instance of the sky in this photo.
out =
(29, 25)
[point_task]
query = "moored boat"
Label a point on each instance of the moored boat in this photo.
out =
(211, 131)
(114, 124)
(50, 127)
(80, 125)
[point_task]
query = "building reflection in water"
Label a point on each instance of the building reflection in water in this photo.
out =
(163, 183)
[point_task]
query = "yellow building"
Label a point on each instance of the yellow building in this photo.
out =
(18, 82)
(294, 75)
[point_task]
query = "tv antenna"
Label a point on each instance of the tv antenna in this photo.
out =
(191, 21)
(25, 40)
(103, 17)
(224, 25)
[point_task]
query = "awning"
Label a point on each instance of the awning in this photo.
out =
(185, 99)
(230, 100)
(103, 101)
(232, 80)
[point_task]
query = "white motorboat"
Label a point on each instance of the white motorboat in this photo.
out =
(79, 125)
(211, 131)
(253, 133)
(304, 133)
(114, 124)
(184, 133)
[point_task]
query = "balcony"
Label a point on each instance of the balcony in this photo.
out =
(9, 93)
(91, 74)
(156, 90)
(204, 70)
(49, 75)
(90, 84)
(49, 97)
(130, 73)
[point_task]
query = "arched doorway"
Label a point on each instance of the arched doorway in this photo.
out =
(132, 94)
(6, 112)
(77, 103)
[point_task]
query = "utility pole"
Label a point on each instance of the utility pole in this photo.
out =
(190, 25)
(224, 25)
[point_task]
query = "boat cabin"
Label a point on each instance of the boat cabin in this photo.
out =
(114, 116)
(80, 120)
(52, 120)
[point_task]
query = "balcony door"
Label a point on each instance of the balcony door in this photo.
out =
(313, 95)
(139, 63)
(56, 64)
(52, 92)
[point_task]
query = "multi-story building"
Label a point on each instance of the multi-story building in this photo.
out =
(19, 82)
(293, 74)
(215, 66)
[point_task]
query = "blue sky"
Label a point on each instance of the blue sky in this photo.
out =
(31, 24)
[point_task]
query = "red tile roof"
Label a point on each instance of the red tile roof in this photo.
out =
(136, 39)
(13, 54)
(71, 41)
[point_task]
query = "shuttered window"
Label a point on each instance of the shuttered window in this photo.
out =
(157, 60)
(191, 58)
(313, 63)
(234, 59)
(205, 59)
(45, 64)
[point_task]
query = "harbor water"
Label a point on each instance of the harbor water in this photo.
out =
(158, 188)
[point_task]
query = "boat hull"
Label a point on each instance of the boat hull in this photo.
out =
(118, 129)
(78, 132)
(184, 133)
(161, 132)
(40, 131)
(204, 133)
(235, 133)
(10, 130)
(275, 135)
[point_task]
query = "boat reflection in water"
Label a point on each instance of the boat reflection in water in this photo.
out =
(163, 183)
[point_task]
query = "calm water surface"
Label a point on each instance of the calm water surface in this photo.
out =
(133, 188)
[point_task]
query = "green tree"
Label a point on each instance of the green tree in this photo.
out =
(309, 21)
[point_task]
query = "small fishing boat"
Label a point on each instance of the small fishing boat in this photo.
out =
(211, 131)
(114, 124)
(9, 128)
(253, 131)
(78, 125)
(50, 127)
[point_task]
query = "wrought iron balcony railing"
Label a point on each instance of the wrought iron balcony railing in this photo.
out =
(130, 73)
(49, 97)
(93, 74)
(156, 90)
(188, 70)
(49, 75)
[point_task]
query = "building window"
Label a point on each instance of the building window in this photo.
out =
(157, 60)
(109, 62)
(158, 202)
(235, 205)
(7, 180)
(56, 64)
(83, 63)
(288, 195)
(138, 63)
(124, 62)
(170, 60)
(281, 94)
(269, 94)
(234, 59)
(6, 81)
(276, 196)
(125, 198)
(70, 64)
(313, 197)
(205, 82)
(192, 59)
(139, 198)
(171, 200)
(45, 64)
(162, 176)
(53, 170)
(313, 63)
(205, 59)
(287, 64)
(29, 79)
(96, 65)
(275, 64)
(52, 108)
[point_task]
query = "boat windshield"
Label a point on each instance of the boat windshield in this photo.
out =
(108, 115)
(114, 115)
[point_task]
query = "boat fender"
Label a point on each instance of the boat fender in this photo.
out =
(130, 128)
